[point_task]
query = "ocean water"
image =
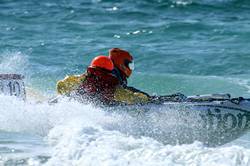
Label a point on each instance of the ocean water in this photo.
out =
(188, 46)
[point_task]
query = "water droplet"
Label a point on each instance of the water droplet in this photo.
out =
(117, 36)
(136, 32)
(114, 8)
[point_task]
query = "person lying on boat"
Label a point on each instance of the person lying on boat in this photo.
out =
(105, 81)
(123, 67)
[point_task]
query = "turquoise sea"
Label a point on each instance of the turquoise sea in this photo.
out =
(187, 46)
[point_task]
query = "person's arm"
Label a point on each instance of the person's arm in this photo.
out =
(136, 90)
(69, 84)
(130, 96)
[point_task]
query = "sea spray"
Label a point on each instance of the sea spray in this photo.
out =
(92, 145)
(81, 134)
(13, 62)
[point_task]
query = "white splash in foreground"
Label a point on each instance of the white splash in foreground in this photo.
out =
(78, 143)
(83, 135)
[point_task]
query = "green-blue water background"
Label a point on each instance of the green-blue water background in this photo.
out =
(186, 46)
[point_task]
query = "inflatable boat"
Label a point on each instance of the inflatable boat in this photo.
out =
(212, 119)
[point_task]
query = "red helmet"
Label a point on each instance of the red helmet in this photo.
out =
(103, 62)
(122, 60)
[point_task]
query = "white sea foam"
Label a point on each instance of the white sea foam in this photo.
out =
(202, 2)
(83, 135)
(242, 82)
(34, 118)
(79, 144)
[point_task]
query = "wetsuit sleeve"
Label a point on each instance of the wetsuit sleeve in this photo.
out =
(69, 83)
(136, 90)
(128, 96)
